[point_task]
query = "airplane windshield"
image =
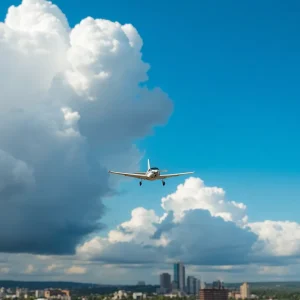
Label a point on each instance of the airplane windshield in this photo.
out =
(153, 168)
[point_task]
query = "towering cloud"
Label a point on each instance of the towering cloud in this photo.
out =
(70, 104)
(200, 227)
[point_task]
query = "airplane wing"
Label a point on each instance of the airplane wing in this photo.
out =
(174, 175)
(139, 175)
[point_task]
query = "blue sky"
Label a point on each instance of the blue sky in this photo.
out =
(232, 71)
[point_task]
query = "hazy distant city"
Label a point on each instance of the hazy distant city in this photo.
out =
(176, 285)
(182, 287)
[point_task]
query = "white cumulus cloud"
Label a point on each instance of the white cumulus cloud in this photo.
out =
(278, 238)
(199, 227)
(193, 194)
(71, 106)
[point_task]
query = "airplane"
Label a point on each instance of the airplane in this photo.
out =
(151, 174)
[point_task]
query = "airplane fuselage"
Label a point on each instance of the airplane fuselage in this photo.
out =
(152, 174)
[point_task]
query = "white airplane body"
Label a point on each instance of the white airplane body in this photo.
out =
(151, 174)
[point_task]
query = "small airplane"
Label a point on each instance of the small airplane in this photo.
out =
(151, 175)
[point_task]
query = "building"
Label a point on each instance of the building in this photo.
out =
(213, 294)
(245, 291)
(165, 283)
(191, 285)
(39, 294)
(57, 294)
(141, 283)
(2, 293)
(120, 295)
(174, 285)
(21, 293)
(179, 276)
(198, 287)
(217, 284)
(139, 296)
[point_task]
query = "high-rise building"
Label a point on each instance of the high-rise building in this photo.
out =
(245, 291)
(197, 287)
(179, 276)
(165, 282)
(191, 287)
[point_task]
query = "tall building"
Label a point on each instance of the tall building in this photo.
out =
(191, 285)
(245, 291)
(176, 276)
(198, 287)
(179, 276)
(213, 294)
(165, 282)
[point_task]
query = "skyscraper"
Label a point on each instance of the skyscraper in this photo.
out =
(165, 282)
(179, 276)
(198, 286)
(191, 285)
(176, 276)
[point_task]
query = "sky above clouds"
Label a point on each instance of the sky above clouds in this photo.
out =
(77, 99)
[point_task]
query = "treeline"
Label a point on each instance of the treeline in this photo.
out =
(279, 294)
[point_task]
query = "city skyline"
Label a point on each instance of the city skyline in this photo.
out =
(217, 291)
(181, 283)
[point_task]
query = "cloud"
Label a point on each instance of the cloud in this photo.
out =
(99, 249)
(75, 270)
(269, 270)
(201, 239)
(199, 226)
(4, 270)
(52, 267)
(278, 238)
(30, 269)
(193, 194)
(70, 102)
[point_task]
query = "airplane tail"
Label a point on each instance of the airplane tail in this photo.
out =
(149, 164)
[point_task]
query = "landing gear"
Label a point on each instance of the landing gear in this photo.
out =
(140, 183)
(163, 183)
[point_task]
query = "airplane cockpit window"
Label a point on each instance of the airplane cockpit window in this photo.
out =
(153, 168)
